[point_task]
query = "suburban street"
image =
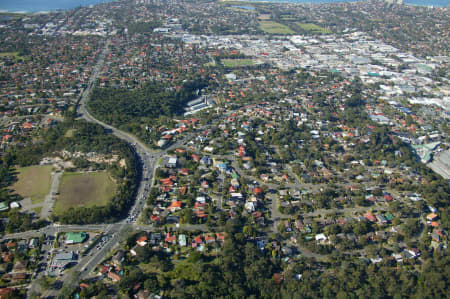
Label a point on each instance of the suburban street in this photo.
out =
(115, 232)
(225, 149)
(148, 158)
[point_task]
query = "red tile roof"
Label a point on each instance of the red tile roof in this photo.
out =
(175, 204)
(370, 217)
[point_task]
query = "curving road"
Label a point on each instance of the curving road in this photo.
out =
(147, 156)
(116, 231)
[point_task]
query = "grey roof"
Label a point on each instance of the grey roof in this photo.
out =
(64, 256)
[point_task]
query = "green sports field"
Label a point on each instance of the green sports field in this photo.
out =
(313, 28)
(80, 189)
(237, 62)
(272, 27)
(34, 182)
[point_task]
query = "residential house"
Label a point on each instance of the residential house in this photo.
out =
(142, 241)
(320, 238)
(209, 239)
(370, 217)
(432, 217)
(33, 243)
(118, 258)
(197, 241)
(381, 219)
(174, 206)
(155, 238)
(114, 276)
(170, 239)
(220, 237)
(182, 240)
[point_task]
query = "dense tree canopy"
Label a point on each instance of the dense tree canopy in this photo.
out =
(85, 137)
(122, 106)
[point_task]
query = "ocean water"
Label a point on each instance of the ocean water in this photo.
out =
(44, 5)
(52, 5)
(435, 3)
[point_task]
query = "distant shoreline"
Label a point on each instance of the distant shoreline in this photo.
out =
(46, 6)
(434, 5)
(2, 11)
(24, 12)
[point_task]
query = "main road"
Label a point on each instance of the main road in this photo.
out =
(117, 231)
(147, 156)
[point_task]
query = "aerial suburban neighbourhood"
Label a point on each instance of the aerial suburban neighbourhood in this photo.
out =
(225, 149)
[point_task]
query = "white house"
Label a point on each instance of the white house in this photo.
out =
(321, 237)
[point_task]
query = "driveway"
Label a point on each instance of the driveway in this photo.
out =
(49, 201)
